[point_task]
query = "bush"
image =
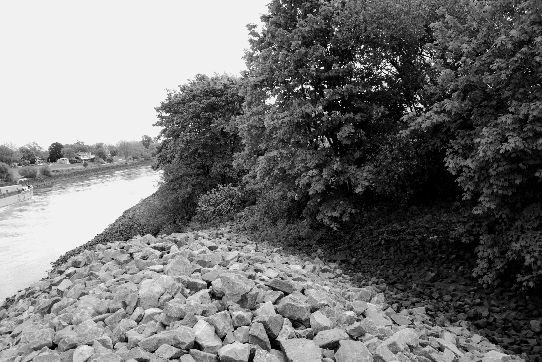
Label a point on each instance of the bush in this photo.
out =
(5, 173)
(85, 164)
(45, 171)
(219, 204)
(28, 172)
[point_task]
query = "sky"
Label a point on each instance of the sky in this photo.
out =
(95, 70)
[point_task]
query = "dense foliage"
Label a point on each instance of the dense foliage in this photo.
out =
(9, 155)
(489, 113)
(349, 106)
(5, 173)
(55, 151)
(198, 140)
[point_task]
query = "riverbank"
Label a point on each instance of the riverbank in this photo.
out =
(81, 174)
(435, 275)
(214, 295)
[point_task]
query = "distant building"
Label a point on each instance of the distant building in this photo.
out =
(63, 160)
(85, 156)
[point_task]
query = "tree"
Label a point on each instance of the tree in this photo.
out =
(198, 140)
(9, 155)
(68, 152)
(113, 151)
(5, 173)
(55, 151)
(328, 86)
(132, 150)
(146, 141)
(488, 112)
(100, 150)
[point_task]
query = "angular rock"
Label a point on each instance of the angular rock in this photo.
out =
(235, 352)
(401, 339)
(300, 350)
(320, 322)
(149, 293)
(352, 351)
(222, 322)
(167, 351)
(258, 336)
(284, 286)
(82, 353)
(330, 338)
(293, 308)
(181, 337)
(201, 356)
(269, 356)
(206, 337)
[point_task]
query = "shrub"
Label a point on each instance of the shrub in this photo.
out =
(85, 164)
(219, 204)
(28, 172)
(5, 173)
(45, 171)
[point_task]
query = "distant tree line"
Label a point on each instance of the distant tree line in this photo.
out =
(350, 104)
(32, 153)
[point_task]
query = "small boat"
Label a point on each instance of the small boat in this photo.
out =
(16, 193)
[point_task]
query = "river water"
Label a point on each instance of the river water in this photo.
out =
(59, 218)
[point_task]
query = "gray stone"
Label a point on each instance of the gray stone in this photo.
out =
(320, 322)
(301, 350)
(241, 318)
(149, 293)
(284, 286)
(201, 356)
(232, 286)
(241, 334)
(88, 331)
(181, 337)
(495, 356)
(293, 308)
(222, 322)
(258, 336)
(178, 266)
(353, 351)
(235, 352)
(167, 351)
(206, 337)
(330, 338)
(401, 339)
(269, 356)
(36, 337)
(82, 353)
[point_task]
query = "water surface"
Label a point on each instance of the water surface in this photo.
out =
(59, 218)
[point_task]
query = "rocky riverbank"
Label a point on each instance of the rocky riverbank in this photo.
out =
(217, 296)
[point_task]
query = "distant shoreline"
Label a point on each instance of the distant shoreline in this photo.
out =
(80, 174)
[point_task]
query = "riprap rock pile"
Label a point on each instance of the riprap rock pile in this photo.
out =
(217, 296)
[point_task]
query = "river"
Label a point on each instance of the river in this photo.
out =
(59, 218)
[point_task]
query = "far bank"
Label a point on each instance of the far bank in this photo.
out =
(86, 172)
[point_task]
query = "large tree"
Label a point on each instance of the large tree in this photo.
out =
(9, 154)
(488, 113)
(198, 140)
(55, 151)
(30, 152)
(328, 85)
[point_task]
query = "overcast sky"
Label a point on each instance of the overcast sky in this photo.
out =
(94, 70)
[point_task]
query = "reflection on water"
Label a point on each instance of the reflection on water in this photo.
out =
(59, 218)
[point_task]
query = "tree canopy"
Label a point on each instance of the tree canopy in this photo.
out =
(198, 140)
(347, 105)
(55, 151)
